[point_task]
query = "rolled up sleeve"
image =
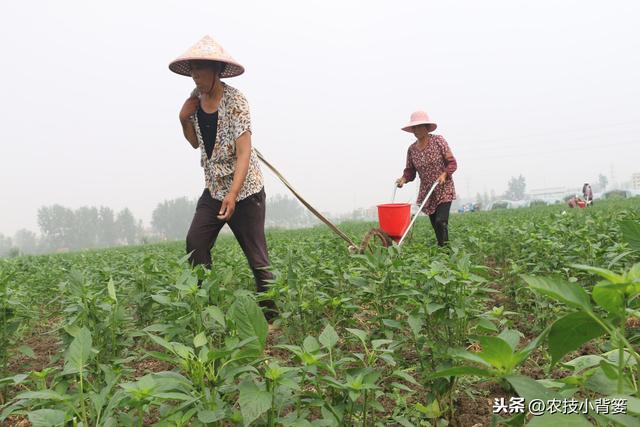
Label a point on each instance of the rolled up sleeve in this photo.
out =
(241, 121)
(452, 164)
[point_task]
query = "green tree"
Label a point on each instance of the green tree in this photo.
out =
(26, 241)
(127, 230)
(284, 211)
(86, 230)
(172, 218)
(56, 226)
(516, 188)
(603, 182)
(107, 234)
(5, 246)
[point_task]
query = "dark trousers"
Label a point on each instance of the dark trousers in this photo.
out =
(246, 223)
(440, 223)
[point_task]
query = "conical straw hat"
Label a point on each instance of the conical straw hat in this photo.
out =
(206, 49)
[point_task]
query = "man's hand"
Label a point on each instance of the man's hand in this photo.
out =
(188, 108)
(228, 207)
(400, 182)
(442, 178)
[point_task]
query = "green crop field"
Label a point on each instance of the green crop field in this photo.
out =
(534, 304)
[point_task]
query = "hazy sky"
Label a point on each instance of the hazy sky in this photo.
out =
(547, 89)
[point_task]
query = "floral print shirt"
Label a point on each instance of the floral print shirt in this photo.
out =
(233, 120)
(430, 163)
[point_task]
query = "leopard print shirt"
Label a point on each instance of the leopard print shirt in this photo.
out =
(233, 120)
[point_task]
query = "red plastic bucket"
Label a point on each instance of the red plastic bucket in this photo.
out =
(394, 218)
(582, 204)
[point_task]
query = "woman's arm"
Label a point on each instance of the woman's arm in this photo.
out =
(409, 173)
(188, 130)
(452, 164)
(243, 156)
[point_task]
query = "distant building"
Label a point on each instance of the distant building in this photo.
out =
(635, 181)
(551, 195)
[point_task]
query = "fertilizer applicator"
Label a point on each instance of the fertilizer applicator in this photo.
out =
(393, 218)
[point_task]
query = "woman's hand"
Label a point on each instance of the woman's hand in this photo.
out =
(400, 182)
(442, 178)
(188, 108)
(228, 207)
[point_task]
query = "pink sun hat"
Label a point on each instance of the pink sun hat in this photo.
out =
(420, 118)
(207, 49)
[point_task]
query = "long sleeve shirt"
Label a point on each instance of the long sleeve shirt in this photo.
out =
(429, 163)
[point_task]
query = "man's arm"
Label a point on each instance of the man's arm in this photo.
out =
(188, 130)
(243, 156)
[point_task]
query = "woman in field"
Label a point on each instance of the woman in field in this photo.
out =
(431, 158)
(587, 193)
(216, 119)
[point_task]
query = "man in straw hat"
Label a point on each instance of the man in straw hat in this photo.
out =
(215, 119)
(431, 158)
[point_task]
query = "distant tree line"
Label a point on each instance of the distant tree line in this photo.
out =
(63, 229)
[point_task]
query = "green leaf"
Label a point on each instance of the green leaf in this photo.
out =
(216, 314)
(403, 422)
(27, 351)
(161, 299)
(43, 395)
(406, 376)
(250, 322)
(310, 344)
(206, 416)
(253, 402)
(46, 418)
(609, 298)
(161, 342)
(470, 356)
(605, 274)
(631, 233)
(430, 411)
(200, 340)
(415, 323)
(175, 396)
(531, 389)
(302, 423)
(497, 352)
(569, 293)
(533, 344)
(79, 353)
(511, 337)
(460, 371)
(570, 332)
(581, 363)
(621, 420)
(487, 325)
(329, 338)
(112, 291)
(362, 335)
(605, 384)
(400, 386)
(633, 403)
(432, 307)
(558, 419)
